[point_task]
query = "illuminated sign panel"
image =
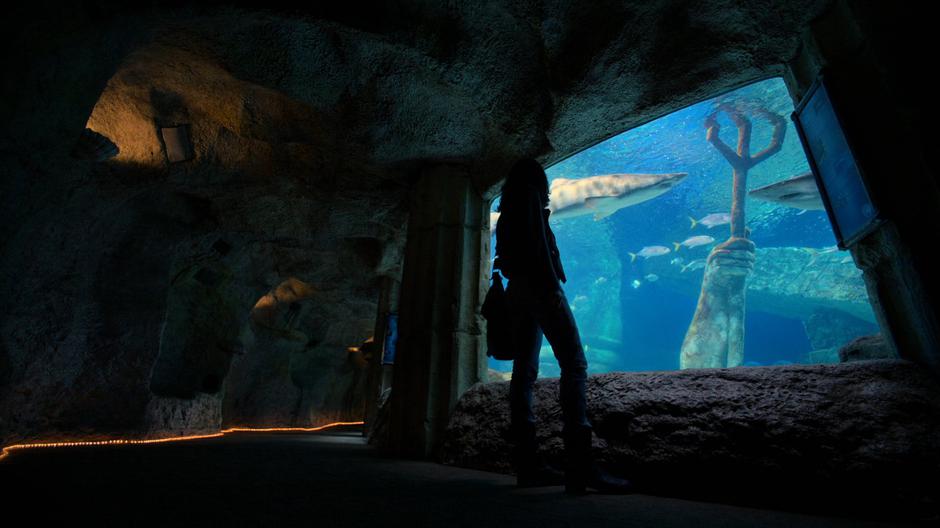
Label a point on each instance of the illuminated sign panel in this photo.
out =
(848, 203)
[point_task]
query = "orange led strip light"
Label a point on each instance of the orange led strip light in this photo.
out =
(9, 449)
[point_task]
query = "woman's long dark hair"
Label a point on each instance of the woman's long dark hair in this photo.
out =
(525, 177)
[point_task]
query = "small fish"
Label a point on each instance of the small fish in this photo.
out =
(814, 252)
(580, 299)
(677, 261)
(712, 220)
(652, 277)
(695, 241)
(846, 260)
(636, 283)
(600, 280)
(649, 251)
(694, 265)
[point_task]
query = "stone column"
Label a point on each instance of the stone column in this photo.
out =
(897, 296)
(440, 348)
(860, 49)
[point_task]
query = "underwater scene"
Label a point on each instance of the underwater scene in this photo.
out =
(637, 216)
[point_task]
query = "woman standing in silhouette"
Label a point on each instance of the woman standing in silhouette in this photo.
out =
(527, 255)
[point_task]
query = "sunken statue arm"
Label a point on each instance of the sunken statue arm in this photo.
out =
(715, 338)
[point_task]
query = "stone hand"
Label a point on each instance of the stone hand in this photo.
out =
(734, 257)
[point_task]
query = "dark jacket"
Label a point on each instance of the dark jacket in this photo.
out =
(525, 246)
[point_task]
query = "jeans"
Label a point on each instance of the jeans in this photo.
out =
(534, 312)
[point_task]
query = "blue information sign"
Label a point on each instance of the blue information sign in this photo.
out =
(840, 182)
(391, 340)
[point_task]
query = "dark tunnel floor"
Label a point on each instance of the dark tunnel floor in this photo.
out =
(325, 479)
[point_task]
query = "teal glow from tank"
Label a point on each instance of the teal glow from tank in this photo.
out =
(635, 275)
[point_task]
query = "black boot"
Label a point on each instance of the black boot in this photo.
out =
(531, 471)
(581, 472)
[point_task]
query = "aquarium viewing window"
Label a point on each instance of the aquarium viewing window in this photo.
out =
(843, 191)
(637, 216)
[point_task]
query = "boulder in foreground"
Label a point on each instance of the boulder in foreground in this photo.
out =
(856, 437)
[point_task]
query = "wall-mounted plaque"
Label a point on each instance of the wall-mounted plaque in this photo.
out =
(177, 142)
(838, 176)
(391, 340)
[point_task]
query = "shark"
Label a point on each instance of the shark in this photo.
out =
(799, 192)
(603, 195)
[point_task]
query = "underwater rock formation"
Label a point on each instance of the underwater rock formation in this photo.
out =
(829, 329)
(866, 347)
(794, 282)
(786, 281)
(848, 432)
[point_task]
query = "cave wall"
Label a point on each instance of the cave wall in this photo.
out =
(142, 275)
(310, 127)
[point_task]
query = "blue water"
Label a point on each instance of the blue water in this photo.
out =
(629, 318)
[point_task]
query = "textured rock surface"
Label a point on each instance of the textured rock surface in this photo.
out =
(866, 347)
(830, 330)
(796, 434)
(306, 127)
(144, 273)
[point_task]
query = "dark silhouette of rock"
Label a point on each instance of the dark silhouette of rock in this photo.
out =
(866, 347)
(852, 434)
(832, 328)
(92, 146)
